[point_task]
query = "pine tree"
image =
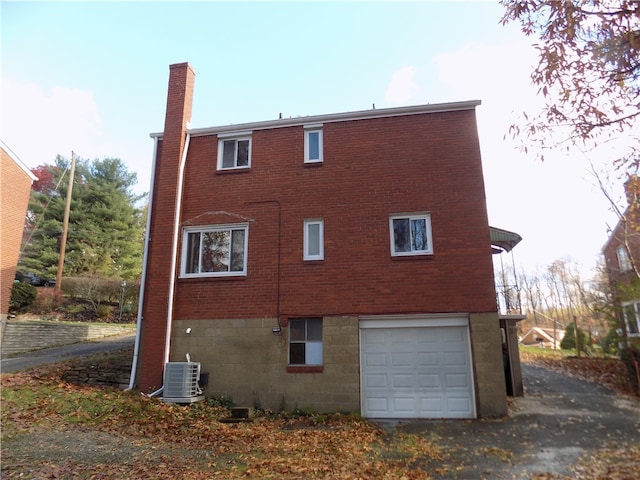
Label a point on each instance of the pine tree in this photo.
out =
(106, 228)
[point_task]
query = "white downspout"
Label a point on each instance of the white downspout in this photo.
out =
(174, 249)
(143, 277)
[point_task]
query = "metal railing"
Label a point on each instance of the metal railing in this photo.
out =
(508, 300)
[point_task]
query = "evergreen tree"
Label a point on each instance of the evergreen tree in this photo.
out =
(106, 228)
(569, 339)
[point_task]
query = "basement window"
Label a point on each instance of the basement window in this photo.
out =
(305, 341)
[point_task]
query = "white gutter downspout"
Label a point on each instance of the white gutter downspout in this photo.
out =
(143, 278)
(174, 249)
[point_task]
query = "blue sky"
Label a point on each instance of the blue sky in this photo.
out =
(92, 77)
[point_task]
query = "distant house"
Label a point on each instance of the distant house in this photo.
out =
(15, 187)
(622, 259)
(333, 262)
(543, 337)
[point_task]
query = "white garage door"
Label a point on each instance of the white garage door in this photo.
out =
(413, 371)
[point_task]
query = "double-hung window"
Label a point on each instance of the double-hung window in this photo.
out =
(313, 144)
(214, 251)
(631, 312)
(234, 151)
(624, 261)
(305, 341)
(313, 240)
(410, 234)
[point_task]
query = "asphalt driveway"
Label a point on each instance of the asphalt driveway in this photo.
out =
(559, 420)
(27, 360)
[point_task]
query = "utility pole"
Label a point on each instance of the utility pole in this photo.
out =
(65, 223)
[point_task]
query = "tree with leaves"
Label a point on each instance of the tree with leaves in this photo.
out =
(588, 71)
(106, 227)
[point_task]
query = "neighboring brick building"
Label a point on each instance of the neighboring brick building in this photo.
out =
(622, 260)
(334, 262)
(15, 187)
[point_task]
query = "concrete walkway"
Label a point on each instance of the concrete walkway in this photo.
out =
(60, 354)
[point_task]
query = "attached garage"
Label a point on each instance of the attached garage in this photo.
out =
(416, 367)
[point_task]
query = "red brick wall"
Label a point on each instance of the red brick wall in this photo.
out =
(627, 233)
(372, 169)
(15, 187)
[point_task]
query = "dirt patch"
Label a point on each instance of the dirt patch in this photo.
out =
(85, 453)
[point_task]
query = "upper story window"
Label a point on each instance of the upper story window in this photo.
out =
(410, 234)
(305, 341)
(234, 151)
(313, 240)
(624, 261)
(214, 251)
(631, 311)
(313, 144)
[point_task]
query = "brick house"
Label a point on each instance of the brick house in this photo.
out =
(622, 260)
(334, 262)
(15, 187)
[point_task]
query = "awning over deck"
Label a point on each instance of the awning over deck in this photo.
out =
(503, 240)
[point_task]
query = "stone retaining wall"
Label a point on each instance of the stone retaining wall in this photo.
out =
(25, 336)
(110, 370)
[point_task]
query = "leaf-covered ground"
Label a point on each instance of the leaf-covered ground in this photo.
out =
(52, 429)
(606, 371)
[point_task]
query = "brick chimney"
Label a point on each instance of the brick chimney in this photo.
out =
(163, 206)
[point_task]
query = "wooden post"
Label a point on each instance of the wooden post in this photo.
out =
(65, 223)
(575, 332)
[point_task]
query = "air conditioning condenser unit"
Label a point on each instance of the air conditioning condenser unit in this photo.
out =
(181, 382)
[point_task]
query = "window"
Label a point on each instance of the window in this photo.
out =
(214, 251)
(234, 152)
(624, 262)
(631, 312)
(313, 240)
(313, 144)
(305, 341)
(410, 234)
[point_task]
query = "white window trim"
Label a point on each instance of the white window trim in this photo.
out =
(307, 224)
(313, 129)
(208, 228)
(636, 304)
(624, 260)
(237, 136)
(411, 216)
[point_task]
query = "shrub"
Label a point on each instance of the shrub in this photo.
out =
(610, 343)
(569, 340)
(23, 295)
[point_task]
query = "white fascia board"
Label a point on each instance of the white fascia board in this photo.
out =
(336, 117)
(18, 162)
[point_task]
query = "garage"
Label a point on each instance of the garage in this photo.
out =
(416, 367)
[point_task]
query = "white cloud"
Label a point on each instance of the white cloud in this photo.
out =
(402, 87)
(39, 124)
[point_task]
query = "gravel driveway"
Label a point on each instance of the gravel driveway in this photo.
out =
(559, 420)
